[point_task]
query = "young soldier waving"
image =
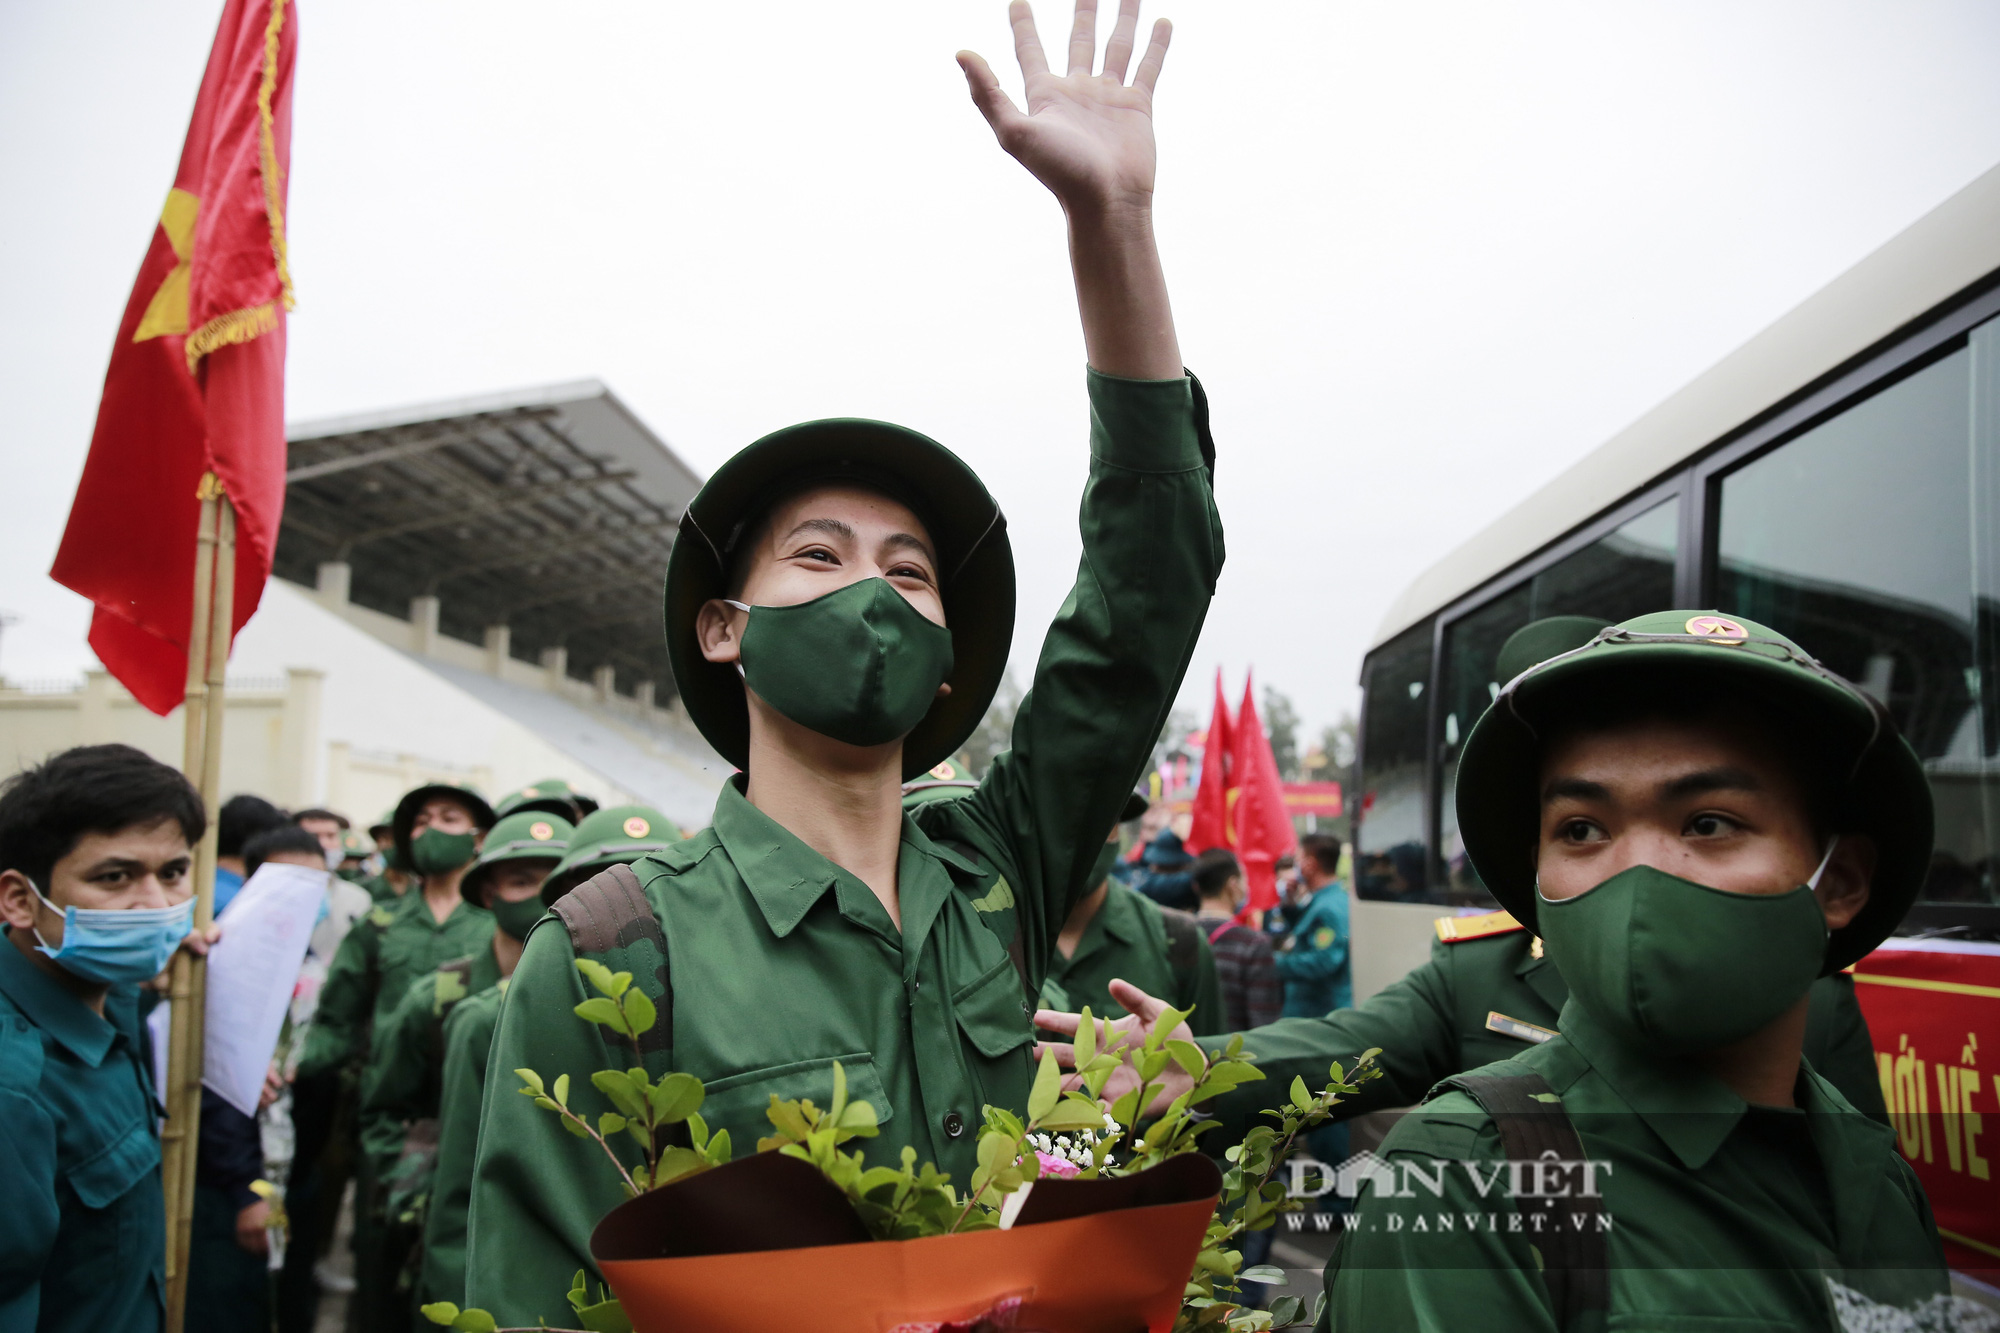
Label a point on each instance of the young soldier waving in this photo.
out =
(838, 609)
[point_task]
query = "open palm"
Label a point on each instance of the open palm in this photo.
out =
(1087, 136)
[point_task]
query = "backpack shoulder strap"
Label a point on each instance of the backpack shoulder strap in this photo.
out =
(1534, 1127)
(610, 920)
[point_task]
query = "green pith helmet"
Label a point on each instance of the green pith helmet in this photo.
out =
(383, 830)
(975, 568)
(531, 835)
(619, 833)
(1541, 640)
(413, 801)
(1884, 793)
(354, 843)
(552, 795)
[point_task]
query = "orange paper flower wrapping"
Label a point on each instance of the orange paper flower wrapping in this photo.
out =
(768, 1243)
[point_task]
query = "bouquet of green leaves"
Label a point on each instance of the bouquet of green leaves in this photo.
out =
(1066, 1140)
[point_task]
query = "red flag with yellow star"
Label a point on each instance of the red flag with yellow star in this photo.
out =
(196, 382)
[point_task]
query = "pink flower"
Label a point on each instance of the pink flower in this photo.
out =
(1053, 1165)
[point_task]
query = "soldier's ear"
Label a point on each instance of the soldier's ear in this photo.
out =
(1845, 883)
(718, 629)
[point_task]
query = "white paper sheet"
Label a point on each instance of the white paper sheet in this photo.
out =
(251, 973)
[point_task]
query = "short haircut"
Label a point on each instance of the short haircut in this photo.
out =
(301, 816)
(241, 818)
(262, 846)
(1324, 849)
(1213, 869)
(46, 810)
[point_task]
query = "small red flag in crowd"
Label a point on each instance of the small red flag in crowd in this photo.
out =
(1262, 828)
(1240, 801)
(1209, 821)
(196, 382)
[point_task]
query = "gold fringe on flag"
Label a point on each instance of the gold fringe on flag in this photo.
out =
(240, 326)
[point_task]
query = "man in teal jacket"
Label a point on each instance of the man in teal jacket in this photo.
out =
(1314, 964)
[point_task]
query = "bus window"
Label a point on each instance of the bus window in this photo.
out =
(1626, 573)
(1389, 842)
(1870, 539)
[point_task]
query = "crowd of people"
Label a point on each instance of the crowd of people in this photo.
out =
(1691, 826)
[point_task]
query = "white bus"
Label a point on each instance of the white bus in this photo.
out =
(1837, 478)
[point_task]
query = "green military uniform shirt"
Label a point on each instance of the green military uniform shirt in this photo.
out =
(406, 1057)
(1436, 1021)
(382, 891)
(782, 962)
(381, 955)
(1129, 939)
(1721, 1215)
(82, 1226)
(468, 1042)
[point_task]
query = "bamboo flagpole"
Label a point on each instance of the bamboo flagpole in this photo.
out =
(208, 660)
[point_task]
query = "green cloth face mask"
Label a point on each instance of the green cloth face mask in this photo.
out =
(437, 852)
(517, 918)
(1680, 967)
(860, 665)
(1100, 870)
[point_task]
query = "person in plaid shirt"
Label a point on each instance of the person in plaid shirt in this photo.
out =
(1252, 994)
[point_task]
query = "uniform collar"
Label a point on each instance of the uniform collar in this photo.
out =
(52, 1009)
(1690, 1109)
(786, 877)
(1542, 976)
(1117, 918)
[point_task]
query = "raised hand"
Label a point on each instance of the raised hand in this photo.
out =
(1088, 137)
(1142, 1014)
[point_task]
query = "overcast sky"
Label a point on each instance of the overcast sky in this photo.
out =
(1424, 255)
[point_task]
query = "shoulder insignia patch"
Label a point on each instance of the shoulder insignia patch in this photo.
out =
(1323, 938)
(450, 989)
(998, 898)
(381, 918)
(1458, 929)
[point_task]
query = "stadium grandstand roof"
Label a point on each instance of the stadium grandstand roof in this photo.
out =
(550, 511)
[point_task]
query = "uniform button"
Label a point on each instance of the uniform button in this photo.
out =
(1026, 1008)
(954, 1124)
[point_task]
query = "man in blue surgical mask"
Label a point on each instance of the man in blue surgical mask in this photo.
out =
(96, 893)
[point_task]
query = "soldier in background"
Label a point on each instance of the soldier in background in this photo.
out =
(393, 880)
(437, 829)
(400, 1096)
(551, 796)
(617, 836)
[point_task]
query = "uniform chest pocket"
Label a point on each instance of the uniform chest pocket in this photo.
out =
(102, 1178)
(737, 1103)
(991, 1012)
